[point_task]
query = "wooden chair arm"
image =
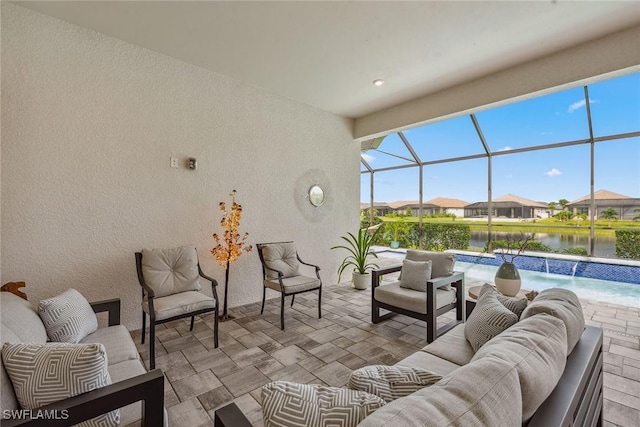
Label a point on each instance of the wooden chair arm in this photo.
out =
(439, 282)
(148, 388)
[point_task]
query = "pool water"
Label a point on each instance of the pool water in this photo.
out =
(593, 289)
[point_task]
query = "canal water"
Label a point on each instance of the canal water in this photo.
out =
(603, 246)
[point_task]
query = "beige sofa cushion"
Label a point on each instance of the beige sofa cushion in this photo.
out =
(22, 318)
(564, 305)
(452, 346)
(170, 271)
(482, 393)
(423, 360)
(537, 348)
(117, 341)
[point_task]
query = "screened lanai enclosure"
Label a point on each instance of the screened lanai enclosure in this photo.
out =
(575, 151)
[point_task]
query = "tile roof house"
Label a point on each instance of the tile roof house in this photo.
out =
(509, 206)
(626, 207)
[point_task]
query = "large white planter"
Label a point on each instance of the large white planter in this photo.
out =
(361, 281)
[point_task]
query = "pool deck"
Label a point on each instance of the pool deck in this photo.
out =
(253, 351)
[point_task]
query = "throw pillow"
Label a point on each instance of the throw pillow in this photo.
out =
(67, 317)
(286, 404)
(514, 304)
(415, 275)
(443, 262)
(488, 319)
(45, 373)
(391, 382)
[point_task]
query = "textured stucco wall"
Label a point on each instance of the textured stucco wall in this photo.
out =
(88, 126)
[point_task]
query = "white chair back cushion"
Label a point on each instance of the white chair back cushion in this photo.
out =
(281, 257)
(171, 271)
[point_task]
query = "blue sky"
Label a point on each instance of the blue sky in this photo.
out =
(544, 175)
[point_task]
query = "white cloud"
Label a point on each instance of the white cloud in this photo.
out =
(368, 158)
(553, 172)
(505, 148)
(577, 105)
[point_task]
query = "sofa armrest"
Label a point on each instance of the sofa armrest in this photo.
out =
(230, 416)
(148, 388)
(110, 305)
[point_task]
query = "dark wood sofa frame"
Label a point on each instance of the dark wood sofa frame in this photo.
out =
(576, 400)
(456, 280)
(148, 388)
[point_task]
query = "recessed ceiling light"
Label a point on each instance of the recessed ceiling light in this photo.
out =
(378, 82)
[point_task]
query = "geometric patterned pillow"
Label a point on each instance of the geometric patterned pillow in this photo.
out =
(45, 373)
(286, 404)
(67, 317)
(515, 304)
(487, 320)
(391, 382)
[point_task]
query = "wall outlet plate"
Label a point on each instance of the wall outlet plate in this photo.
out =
(174, 162)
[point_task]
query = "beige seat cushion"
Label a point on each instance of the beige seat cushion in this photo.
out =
(482, 393)
(423, 360)
(409, 299)
(452, 346)
(177, 304)
(117, 341)
(170, 271)
(564, 305)
(293, 284)
(537, 348)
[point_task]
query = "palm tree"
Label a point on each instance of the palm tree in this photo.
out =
(563, 203)
(609, 214)
(637, 217)
(552, 206)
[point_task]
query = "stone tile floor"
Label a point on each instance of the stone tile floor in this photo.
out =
(253, 351)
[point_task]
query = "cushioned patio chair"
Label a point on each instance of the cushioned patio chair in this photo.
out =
(281, 272)
(171, 290)
(441, 290)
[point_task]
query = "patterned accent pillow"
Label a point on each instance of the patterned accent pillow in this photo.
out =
(67, 317)
(487, 320)
(45, 373)
(286, 404)
(514, 304)
(414, 275)
(391, 382)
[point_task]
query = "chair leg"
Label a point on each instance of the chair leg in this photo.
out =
(264, 294)
(375, 312)
(144, 325)
(319, 299)
(193, 318)
(282, 311)
(215, 329)
(152, 344)
(432, 324)
(293, 297)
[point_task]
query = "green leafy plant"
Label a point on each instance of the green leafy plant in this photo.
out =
(628, 244)
(359, 248)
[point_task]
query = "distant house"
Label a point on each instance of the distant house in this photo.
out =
(447, 205)
(624, 205)
(508, 206)
(412, 207)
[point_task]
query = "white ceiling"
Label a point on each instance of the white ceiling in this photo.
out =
(326, 54)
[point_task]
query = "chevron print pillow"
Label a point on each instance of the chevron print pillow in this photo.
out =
(45, 373)
(67, 317)
(391, 382)
(488, 319)
(514, 304)
(286, 404)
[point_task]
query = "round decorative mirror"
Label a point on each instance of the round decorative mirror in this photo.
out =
(316, 195)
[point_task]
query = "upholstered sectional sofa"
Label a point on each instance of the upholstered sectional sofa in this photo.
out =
(139, 394)
(544, 370)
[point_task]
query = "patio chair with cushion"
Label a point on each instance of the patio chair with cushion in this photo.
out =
(171, 290)
(427, 288)
(281, 272)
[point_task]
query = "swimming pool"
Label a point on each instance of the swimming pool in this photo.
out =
(484, 267)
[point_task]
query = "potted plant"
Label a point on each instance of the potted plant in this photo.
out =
(359, 248)
(507, 277)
